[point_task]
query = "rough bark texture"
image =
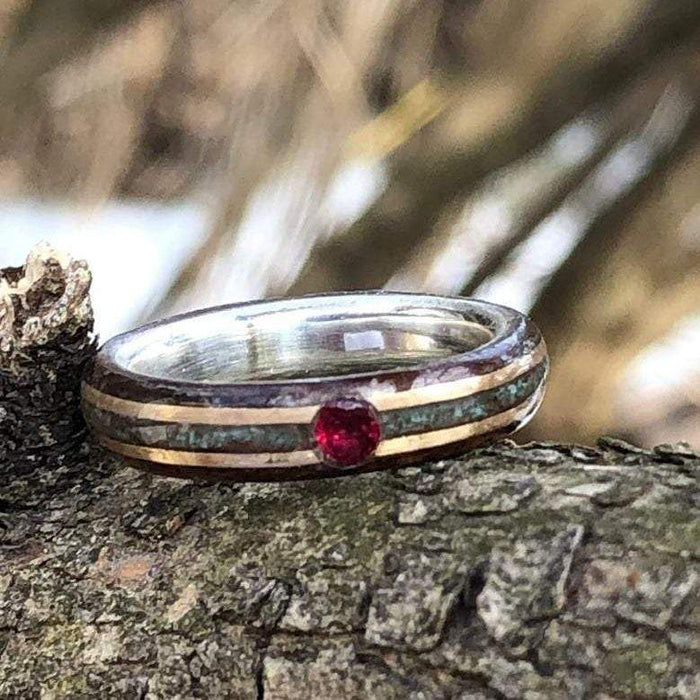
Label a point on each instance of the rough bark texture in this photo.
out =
(45, 339)
(541, 571)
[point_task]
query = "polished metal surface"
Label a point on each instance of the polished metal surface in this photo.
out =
(294, 339)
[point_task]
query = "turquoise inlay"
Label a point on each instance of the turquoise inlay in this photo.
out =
(446, 414)
(213, 438)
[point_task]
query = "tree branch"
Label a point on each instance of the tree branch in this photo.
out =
(544, 571)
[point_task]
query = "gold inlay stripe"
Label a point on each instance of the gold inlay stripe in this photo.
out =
(216, 415)
(459, 388)
(396, 446)
(210, 459)
(382, 401)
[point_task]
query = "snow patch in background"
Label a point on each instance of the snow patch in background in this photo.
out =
(133, 249)
(664, 367)
(659, 397)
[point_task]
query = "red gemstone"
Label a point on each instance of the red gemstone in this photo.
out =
(347, 432)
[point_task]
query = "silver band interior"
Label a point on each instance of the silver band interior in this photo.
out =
(307, 337)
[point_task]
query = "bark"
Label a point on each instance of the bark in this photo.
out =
(45, 325)
(538, 571)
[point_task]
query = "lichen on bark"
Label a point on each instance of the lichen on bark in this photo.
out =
(537, 571)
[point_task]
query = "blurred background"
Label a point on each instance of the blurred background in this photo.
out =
(544, 155)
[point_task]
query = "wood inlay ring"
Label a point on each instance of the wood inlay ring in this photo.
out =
(234, 392)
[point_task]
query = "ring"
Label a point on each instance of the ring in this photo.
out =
(315, 386)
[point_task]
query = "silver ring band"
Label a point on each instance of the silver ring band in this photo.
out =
(315, 386)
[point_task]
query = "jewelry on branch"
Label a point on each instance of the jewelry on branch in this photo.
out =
(315, 386)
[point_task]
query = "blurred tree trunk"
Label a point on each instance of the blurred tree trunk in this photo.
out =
(75, 77)
(45, 34)
(634, 276)
(491, 122)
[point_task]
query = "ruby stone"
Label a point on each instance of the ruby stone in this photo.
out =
(346, 432)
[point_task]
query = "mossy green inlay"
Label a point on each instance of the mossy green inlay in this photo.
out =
(464, 410)
(211, 438)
